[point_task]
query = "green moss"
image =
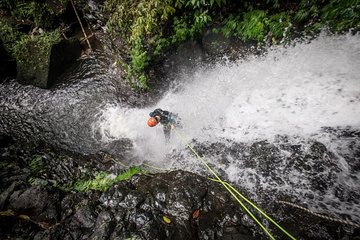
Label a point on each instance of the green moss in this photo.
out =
(129, 173)
(32, 54)
(8, 36)
(103, 181)
(25, 48)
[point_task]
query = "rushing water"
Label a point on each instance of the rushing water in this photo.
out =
(291, 97)
(283, 104)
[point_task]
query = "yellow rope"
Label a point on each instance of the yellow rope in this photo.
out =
(258, 209)
(223, 183)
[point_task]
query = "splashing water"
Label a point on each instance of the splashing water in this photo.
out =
(292, 91)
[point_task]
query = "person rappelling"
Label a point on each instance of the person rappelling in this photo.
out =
(166, 118)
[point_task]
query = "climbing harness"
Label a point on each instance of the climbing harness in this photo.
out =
(233, 192)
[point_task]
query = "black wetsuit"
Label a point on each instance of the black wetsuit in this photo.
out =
(166, 119)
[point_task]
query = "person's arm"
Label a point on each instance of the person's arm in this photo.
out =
(157, 111)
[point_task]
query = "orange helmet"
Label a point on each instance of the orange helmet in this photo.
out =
(152, 122)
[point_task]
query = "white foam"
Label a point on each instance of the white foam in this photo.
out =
(294, 90)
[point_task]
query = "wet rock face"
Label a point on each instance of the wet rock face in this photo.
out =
(174, 196)
(148, 207)
(172, 205)
(36, 202)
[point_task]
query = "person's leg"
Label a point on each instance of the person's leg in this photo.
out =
(167, 130)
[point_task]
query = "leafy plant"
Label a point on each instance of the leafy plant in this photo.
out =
(37, 165)
(8, 35)
(279, 25)
(342, 15)
(7, 4)
(142, 24)
(103, 181)
(196, 4)
(253, 25)
(138, 22)
(308, 8)
(201, 19)
(181, 30)
(34, 12)
(230, 27)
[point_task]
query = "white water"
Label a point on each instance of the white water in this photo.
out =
(295, 91)
(290, 91)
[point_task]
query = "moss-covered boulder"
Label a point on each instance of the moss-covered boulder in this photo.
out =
(41, 59)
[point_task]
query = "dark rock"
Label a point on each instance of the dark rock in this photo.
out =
(136, 208)
(7, 64)
(35, 202)
(63, 56)
(114, 196)
(104, 226)
(85, 217)
(132, 200)
(216, 46)
(4, 196)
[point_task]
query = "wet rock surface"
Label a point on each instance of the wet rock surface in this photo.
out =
(171, 205)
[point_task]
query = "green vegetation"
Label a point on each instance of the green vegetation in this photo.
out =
(8, 35)
(144, 27)
(251, 26)
(102, 181)
(36, 165)
(23, 49)
(148, 27)
(35, 13)
(342, 15)
(36, 34)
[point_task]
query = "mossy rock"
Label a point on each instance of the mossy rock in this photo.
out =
(41, 59)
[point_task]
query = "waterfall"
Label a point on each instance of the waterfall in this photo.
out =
(294, 90)
(298, 95)
(285, 123)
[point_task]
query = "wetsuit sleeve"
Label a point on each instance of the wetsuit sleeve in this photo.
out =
(156, 112)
